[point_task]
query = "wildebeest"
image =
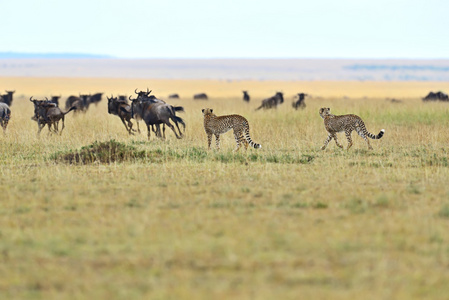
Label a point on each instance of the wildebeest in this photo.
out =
(122, 109)
(5, 115)
(436, 96)
(145, 96)
(273, 101)
(55, 99)
(246, 96)
(85, 101)
(7, 98)
(173, 96)
(155, 112)
(95, 98)
(81, 104)
(48, 113)
(200, 96)
(300, 102)
(142, 93)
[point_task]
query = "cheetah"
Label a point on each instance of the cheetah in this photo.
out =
(346, 123)
(216, 125)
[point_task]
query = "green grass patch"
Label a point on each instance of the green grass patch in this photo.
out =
(444, 212)
(112, 151)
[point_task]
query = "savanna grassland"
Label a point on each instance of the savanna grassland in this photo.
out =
(172, 220)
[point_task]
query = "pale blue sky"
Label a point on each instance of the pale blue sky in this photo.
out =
(228, 29)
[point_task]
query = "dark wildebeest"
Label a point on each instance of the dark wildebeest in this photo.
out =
(5, 115)
(200, 96)
(271, 102)
(142, 94)
(300, 102)
(55, 99)
(436, 96)
(145, 96)
(173, 96)
(95, 98)
(7, 98)
(47, 113)
(86, 101)
(122, 109)
(246, 96)
(80, 103)
(155, 112)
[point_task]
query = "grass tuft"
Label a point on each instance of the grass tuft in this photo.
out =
(444, 212)
(103, 152)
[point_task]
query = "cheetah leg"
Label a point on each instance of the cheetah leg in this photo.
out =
(359, 131)
(209, 140)
(348, 136)
(329, 138)
(217, 141)
(245, 142)
(336, 141)
(237, 140)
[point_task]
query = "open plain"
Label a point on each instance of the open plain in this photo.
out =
(172, 220)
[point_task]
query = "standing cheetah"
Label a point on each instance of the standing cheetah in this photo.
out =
(216, 125)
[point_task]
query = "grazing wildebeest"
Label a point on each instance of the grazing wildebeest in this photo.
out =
(155, 113)
(5, 115)
(122, 109)
(47, 113)
(246, 96)
(273, 101)
(173, 96)
(436, 96)
(7, 98)
(200, 96)
(300, 102)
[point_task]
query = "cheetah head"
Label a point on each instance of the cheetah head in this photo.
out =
(325, 111)
(207, 111)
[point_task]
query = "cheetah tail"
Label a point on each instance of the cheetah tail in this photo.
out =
(376, 137)
(251, 143)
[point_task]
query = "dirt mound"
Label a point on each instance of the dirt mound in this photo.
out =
(103, 152)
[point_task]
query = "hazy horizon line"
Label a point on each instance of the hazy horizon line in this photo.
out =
(79, 55)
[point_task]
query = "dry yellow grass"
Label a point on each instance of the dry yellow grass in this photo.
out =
(287, 221)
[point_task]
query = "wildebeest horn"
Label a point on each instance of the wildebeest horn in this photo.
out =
(135, 91)
(46, 98)
(31, 98)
